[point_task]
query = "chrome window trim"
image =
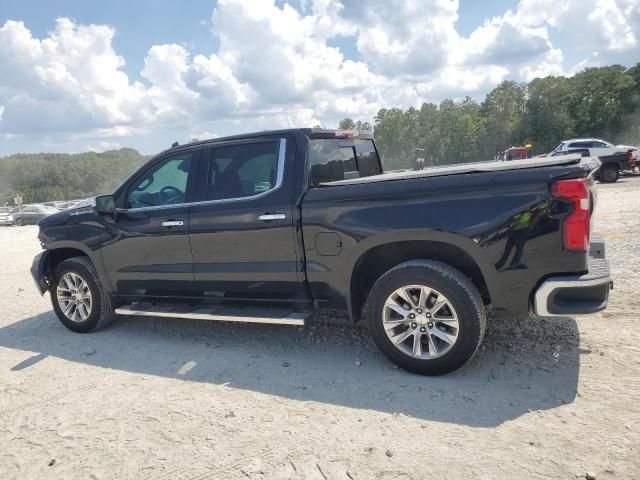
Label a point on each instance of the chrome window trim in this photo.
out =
(282, 147)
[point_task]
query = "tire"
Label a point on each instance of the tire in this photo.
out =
(100, 313)
(19, 222)
(609, 174)
(463, 305)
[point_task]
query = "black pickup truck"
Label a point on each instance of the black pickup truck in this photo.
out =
(611, 166)
(273, 226)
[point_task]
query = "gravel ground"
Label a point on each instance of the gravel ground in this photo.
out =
(173, 399)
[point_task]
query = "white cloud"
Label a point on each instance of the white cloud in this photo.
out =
(70, 80)
(202, 135)
(405, 36)
(604, 29)
(278, 66)
(287, 60)
(103, 147)
(182, 87)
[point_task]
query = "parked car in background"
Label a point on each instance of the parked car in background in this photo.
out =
(614, 165)
(6, 215)
(614, 159)
(584, 152)
(32, 214)
(596, 146)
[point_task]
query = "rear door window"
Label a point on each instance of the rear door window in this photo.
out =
(243, 170)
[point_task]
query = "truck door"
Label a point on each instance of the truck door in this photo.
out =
(242, 230)
(149, 253)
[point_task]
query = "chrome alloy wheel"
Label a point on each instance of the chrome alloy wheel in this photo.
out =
(420, 321)
(74, 297)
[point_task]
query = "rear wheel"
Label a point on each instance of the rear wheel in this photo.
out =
(609, 174)
(78, 298)
(426, 317)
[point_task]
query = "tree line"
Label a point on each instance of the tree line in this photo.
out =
(602, 102)
(57, 176)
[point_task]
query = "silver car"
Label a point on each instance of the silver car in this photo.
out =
(6, 215)
(32, 214)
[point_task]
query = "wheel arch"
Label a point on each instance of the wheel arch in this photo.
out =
(374, 262)
(60, 251)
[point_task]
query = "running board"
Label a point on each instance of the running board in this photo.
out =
(212, 313)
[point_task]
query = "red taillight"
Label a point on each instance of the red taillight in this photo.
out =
(576, 225)
(630, 158)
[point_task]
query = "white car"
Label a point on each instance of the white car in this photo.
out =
(6, 215)
(596, 147)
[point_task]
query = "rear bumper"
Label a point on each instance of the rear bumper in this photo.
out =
(576, 295)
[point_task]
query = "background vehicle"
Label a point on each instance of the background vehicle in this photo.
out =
(596, 146)
(515, 153)
(611, 165)
(273, 226)
(6, 215)
(32, 214)
(614, 165)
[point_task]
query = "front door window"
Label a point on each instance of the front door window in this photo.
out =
(164, 184)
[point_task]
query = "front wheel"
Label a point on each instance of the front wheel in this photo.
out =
(78, 298)
(426, 317)
(19, 222)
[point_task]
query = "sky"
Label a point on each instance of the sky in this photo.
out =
(78, 75)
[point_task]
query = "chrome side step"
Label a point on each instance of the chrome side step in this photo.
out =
(213, 313)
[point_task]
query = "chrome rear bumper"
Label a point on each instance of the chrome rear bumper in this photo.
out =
(576, 295)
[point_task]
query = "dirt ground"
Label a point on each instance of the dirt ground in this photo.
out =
(174, 399)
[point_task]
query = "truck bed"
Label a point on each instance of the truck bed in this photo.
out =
(476, 167)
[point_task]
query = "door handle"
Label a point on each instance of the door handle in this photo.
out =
(172, 223)
(267, 217)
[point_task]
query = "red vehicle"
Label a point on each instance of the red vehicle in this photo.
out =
(515, 153)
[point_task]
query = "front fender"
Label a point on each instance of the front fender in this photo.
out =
(38, 272)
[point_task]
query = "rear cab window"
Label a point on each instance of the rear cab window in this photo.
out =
(342, 159)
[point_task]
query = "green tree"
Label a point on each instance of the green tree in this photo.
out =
(347, 124)
(601, 99)
(45, 176)
(548, 120)
(504, 109)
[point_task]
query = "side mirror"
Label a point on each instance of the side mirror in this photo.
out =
(105, 204)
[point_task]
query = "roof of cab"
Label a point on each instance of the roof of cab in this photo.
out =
(308, 132)
(584, 140)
